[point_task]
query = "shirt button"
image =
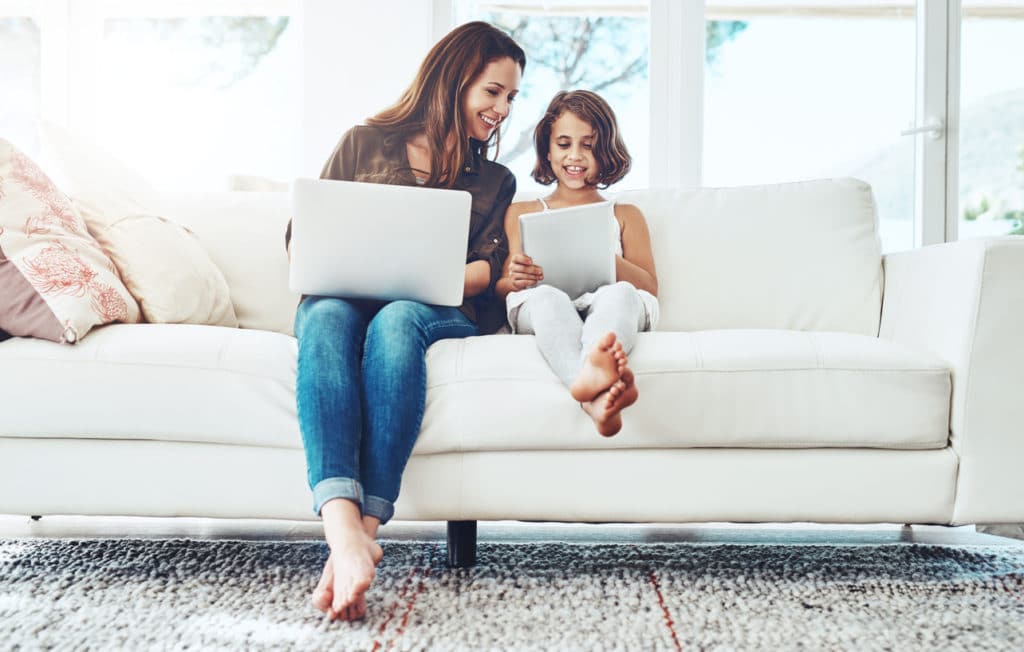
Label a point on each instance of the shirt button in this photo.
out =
(495, 241)
(468, 168)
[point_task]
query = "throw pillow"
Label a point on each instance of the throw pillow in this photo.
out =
(167, 271)
(55, 281)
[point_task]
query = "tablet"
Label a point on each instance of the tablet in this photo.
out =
(575, 246)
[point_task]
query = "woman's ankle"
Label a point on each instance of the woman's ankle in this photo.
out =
(341, 518)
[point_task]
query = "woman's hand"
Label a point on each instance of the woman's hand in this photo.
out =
(523, 273)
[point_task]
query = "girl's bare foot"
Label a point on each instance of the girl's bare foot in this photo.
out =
(606, 409)
(349, 571)
(623, 393)
(601, 368)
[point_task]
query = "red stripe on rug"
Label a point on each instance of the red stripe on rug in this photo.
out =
(653, 579)
(412, 600)
(401, 595)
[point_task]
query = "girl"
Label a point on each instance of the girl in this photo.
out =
(361, 381)
(584, 339)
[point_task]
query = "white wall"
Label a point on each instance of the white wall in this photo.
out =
(358, 57)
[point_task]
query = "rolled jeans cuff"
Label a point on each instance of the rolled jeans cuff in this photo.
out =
(379, 508)
(331, 488)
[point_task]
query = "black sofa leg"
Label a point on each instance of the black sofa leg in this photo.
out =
(461, 544)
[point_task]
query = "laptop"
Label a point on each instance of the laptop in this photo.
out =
(377, 241)
(575, 246)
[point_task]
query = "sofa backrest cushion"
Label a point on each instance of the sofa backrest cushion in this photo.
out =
(798, 256)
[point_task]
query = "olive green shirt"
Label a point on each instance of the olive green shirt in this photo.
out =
(378, 155)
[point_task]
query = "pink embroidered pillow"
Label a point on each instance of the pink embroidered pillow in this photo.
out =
(55, 281)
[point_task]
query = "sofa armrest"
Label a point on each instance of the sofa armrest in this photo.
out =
(964, 301)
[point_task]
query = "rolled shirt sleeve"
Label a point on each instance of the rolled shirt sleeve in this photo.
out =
(491, 244)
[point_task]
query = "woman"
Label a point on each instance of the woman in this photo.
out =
(361, 383)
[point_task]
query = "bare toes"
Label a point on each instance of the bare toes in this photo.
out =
(322, 594)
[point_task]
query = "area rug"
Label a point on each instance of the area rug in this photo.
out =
(178, 594)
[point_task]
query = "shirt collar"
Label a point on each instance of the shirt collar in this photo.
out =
(394, 142)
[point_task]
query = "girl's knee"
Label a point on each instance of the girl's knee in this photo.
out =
(547, 294)
(616, 292)
(622, 287)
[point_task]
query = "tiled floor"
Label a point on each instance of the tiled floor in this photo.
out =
(506, 531)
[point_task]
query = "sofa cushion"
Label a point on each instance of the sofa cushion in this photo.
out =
(799, 256)
(55, 280)
(171, 382)
(755, 389)
(727, 388)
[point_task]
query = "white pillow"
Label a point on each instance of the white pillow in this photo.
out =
(167, 271)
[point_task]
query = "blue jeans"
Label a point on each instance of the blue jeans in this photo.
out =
(361, 389)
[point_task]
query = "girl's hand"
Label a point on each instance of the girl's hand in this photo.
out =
(523, 273)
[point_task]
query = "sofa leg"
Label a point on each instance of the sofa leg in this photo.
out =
(461, 544)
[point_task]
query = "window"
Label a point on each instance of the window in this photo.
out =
(20, 70)
(991, 147)
(574, 45)
(796, 93)
(190, 100)
(188, 93)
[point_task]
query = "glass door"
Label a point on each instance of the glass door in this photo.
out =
(989, 199)
(807, 90)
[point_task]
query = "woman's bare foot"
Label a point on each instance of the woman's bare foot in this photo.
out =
(606, 409)
(350, 568)
(601, 368)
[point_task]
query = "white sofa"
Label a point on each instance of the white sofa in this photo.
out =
(797, 375)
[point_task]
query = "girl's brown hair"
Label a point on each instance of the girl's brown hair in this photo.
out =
(441, 83)
(613, 159)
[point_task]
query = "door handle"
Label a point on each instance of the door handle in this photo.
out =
(933, 129)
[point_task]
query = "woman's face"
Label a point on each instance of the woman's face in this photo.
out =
(571, 153)
(489, 97)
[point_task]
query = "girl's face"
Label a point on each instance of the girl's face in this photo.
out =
(570, 152)
(489, 97)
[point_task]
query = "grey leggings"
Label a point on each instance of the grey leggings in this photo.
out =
(564, 337)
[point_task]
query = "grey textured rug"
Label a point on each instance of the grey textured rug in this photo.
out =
(176, 594)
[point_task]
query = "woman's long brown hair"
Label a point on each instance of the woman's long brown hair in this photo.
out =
(433, 102)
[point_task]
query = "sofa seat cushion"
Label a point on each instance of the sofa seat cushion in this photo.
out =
(169, 382)
(722, 388)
